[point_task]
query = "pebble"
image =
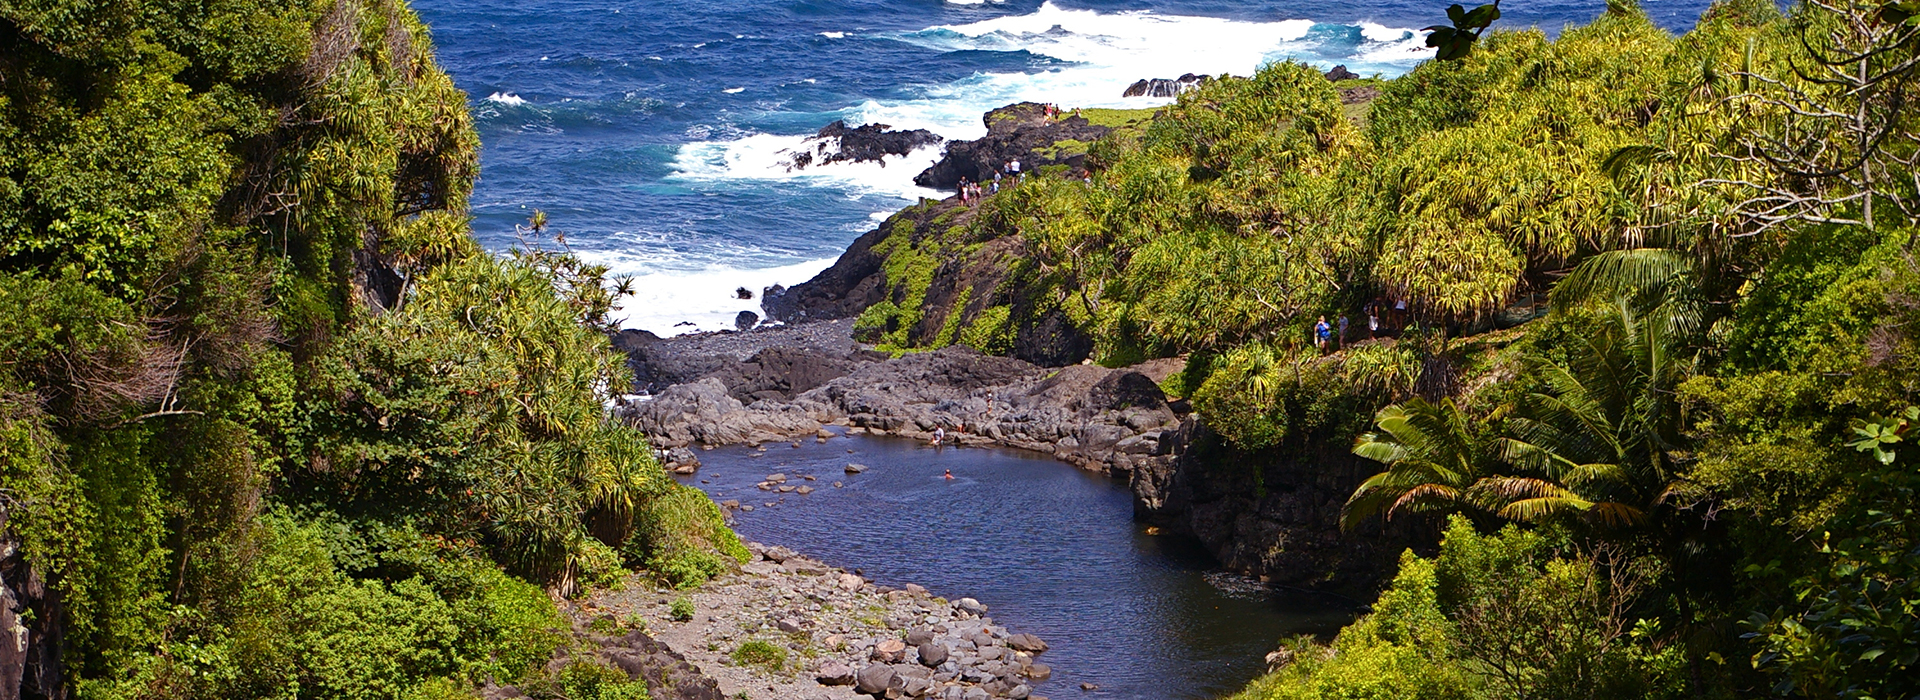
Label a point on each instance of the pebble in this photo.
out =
(883, 642)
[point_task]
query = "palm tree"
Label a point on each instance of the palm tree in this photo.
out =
(1434, 462)
(1598, 441)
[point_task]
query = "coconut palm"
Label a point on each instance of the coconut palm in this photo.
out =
(1597, 442)
(1434, 462)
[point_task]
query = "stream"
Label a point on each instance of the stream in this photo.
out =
(1050, 549)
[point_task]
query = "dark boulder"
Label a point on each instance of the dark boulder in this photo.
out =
(838, 143)
(875, 679)
(932, 654)
(1340, 73)
(746, 320)
(1164, 87)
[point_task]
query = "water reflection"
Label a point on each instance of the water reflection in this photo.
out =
(1050, 549)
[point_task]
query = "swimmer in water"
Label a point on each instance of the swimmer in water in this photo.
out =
(949, 474)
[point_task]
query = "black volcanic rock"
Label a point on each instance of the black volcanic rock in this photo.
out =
(1019, 132)
(1340, 73)
(839, 143)
(1164, 87)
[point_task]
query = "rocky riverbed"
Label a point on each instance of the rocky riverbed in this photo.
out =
(812, 382)
(788, 627)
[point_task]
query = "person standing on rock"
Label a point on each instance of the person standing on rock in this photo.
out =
(1320, 333)
(1343, 330)
(939, 435)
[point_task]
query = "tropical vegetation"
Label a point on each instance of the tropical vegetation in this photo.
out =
(271, 424)
(1647, 308)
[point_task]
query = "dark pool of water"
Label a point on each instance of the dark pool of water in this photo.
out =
(1050, 549)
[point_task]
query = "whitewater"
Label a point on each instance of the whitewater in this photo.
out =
(658, 137)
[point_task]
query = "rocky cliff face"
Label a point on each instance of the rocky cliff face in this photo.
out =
(1021, 132)
(1269, 515)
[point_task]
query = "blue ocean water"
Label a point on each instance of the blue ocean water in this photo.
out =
(652, 132)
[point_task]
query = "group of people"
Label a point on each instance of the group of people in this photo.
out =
(971, 192)
(1324, 336)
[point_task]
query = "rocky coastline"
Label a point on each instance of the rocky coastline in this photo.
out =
(809, 377)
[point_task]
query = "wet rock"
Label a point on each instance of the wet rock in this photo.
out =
(856, 468)
(1027, 643)
(1164, 87)
(1038, 672)
(838, 143)
(970, 606)
(746, 320)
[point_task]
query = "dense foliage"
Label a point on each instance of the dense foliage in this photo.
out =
(1657, 290)
(271, 425)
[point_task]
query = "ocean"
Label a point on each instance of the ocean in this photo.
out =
(653, 133)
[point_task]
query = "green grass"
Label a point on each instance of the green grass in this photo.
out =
(681, 609)
(761, 653)
(1118, 118)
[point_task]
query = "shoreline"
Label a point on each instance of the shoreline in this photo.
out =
(815, 632)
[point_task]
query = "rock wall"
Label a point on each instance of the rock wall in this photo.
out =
(1270, 514)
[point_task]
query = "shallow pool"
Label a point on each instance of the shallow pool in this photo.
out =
(1050, 549)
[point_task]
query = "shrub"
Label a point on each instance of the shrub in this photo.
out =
(762, 653)
(681, 537)
(681, 610)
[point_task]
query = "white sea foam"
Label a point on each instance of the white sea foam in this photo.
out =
(1097, 53)
(834, 35)
(705, 298)
(734, 90)
(506, 98)
(768, 157)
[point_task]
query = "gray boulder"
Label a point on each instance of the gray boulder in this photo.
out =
(932, 654)
(875, 679)
(1027, 643)
(834, 673)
